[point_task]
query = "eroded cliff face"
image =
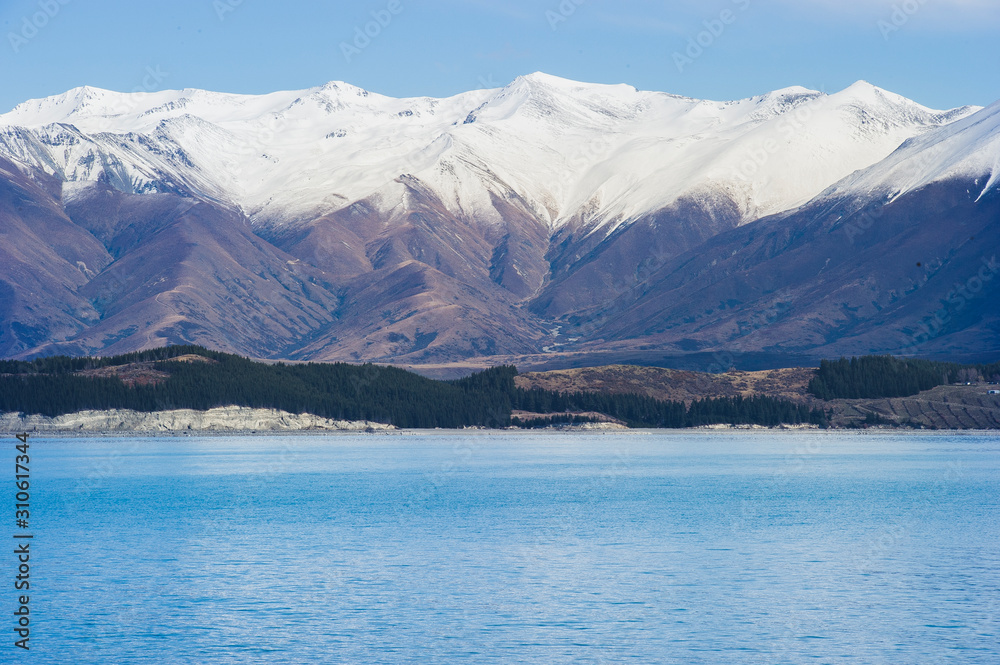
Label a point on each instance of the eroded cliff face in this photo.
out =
(222, 419)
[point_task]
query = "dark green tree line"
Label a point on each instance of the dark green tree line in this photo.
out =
(870, 377)
(51, 387)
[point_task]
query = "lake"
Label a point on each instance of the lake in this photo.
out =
(497, 547)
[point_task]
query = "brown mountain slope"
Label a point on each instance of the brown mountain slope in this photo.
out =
(413, 313)
(44, 260)
(189, 271)
(802, 284)
(108, 272)
(423, 285)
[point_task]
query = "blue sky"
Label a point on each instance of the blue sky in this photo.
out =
(942, 53)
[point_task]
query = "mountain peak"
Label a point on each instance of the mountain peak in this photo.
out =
(337, 87)
(547, 79)
(862, 84)
(868, 93)
(789, 94)
(607, 152)
(564, 85)
(968, 147)
(796, 90)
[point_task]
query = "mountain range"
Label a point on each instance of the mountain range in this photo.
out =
(549, 220)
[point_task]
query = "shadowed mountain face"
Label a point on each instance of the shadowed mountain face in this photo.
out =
(919, 275)
(423, 284)
(45, 260)
(109, 272)
(168, 269)
(591, 270)
(464, 259)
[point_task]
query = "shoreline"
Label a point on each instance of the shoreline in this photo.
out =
(258, 434)
(388, 430)
(249, 422)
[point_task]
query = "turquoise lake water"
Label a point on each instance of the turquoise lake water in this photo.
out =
(443, 547)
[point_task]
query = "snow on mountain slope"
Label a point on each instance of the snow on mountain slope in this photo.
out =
(590, 155)
(968, 148)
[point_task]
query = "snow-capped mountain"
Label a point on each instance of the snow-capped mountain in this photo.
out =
(901, 257)
(596, 155)
(548, 217)
(968, 148)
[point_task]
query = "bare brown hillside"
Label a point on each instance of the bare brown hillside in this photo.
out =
(944, 407)
(671, 384)
(141, 373)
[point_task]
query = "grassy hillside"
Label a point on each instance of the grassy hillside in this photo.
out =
(672, 384)
(927, 403)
